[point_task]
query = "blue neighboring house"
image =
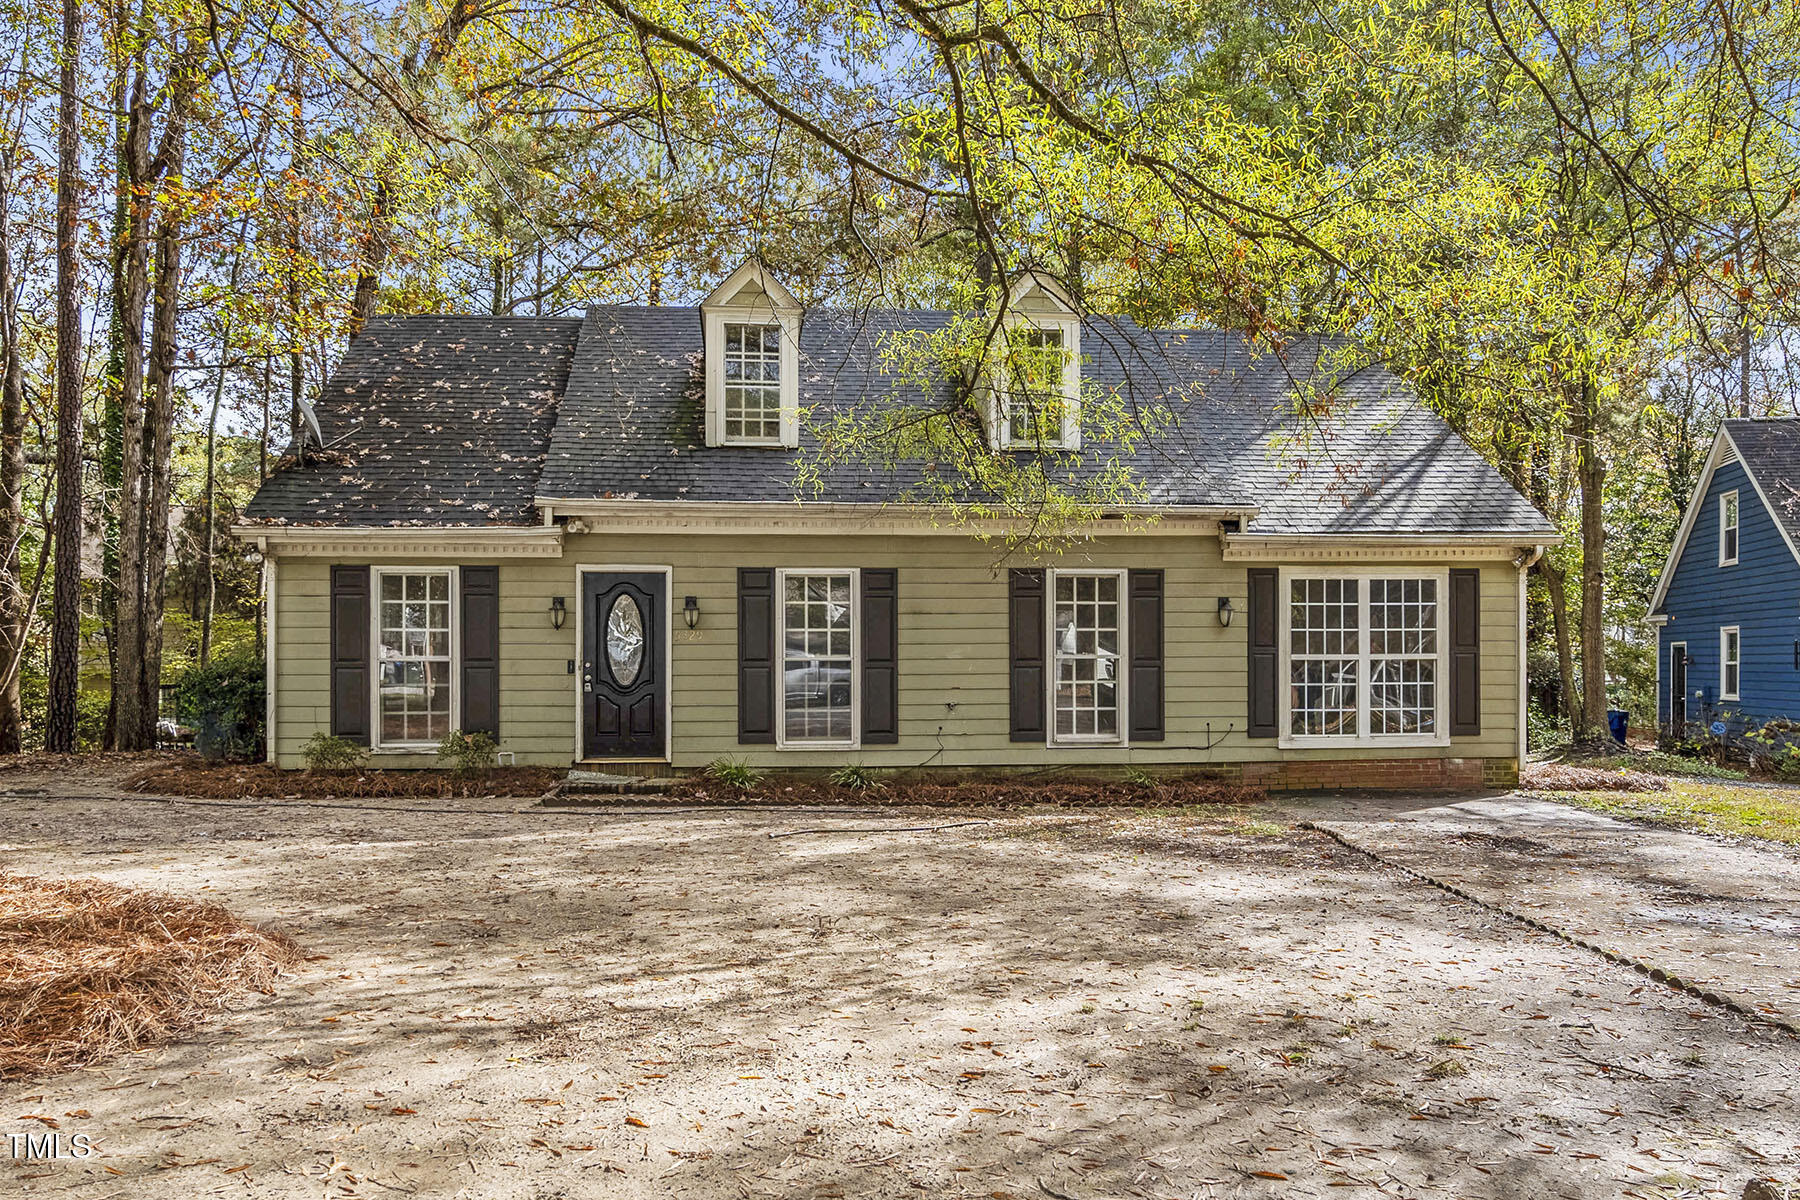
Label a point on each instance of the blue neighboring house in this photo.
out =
(1727, 608)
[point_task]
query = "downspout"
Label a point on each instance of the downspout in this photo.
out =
(1524, 563)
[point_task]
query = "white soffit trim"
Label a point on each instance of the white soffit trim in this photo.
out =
(517, 541)
(1724, 451)
(1306, 547)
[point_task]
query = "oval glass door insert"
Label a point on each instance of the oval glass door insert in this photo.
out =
(625, 640)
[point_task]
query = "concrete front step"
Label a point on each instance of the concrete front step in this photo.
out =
(601, 783)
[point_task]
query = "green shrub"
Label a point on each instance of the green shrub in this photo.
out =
(1136, 776)
(857, 778)
(733, 773)
(1786, 765)
(323, 752)
(90, 719)
(224, 703)
(1679, 764)
(469, 752)
(1544, 730)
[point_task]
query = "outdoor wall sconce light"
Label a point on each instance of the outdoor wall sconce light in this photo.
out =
(559, 612)
(1225, 611)
(690, 612)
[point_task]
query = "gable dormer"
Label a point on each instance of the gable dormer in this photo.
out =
(1033, 390)
(752, 328)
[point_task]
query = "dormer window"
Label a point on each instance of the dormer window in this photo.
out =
(752, 382)
(1033, 392)
(1040, 391)
(752, 327)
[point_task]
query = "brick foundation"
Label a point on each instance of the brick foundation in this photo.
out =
(1296, 775)
(1385, 774)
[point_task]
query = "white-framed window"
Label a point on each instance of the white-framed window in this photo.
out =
(1728, 529)
(1325, 659)
(416, 653)
(752, 382)
(751, 325)
(1730, 662)
(1403, 656)
(1040, 386)
(821, 658)
(1087, 656)
(1364, 655)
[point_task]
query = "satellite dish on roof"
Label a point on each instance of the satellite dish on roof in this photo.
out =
(312, 423)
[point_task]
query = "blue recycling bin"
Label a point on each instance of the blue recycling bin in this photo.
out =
(1615, 721)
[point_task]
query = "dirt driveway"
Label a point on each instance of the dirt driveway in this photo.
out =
(1721, 914)
(659, 1004)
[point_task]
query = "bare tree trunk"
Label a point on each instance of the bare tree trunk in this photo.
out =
(13, 615)
(112, 414)
(210, 597)
(378, 242)
(65, 629)
(159, 432)
(1591, 472)
(262, 472)
(1565, 652)
(374, 260)
(1745, 347)
(126, 719)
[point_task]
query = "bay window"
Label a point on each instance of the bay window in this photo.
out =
(1364, 659)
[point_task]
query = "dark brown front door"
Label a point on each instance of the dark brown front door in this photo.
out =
(624, 667)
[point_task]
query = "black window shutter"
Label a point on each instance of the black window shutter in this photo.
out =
(481, 650)
(350, 653)
(1026, 639)
(1465, 652)
(756, 656)
(881, 656)
(1146, 656)
(1265, 657)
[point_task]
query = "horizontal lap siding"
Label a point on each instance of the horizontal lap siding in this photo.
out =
(1760, 595)
(953, 649)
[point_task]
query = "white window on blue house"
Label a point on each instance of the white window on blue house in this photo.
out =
(1729, 651)
(1728, 529)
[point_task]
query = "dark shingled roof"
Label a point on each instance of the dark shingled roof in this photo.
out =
(631, 427)
(1770, 451)
(449, 421)
(431, 421)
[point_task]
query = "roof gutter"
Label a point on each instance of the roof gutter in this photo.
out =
(805, 516)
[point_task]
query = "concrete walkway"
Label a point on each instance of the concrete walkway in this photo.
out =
(1721, 914)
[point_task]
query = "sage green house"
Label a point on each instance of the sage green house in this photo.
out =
(614, 539)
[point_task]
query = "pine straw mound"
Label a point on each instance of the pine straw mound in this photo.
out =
(1559, 777)
(234, 781)
(989, 793)
(88, 969)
